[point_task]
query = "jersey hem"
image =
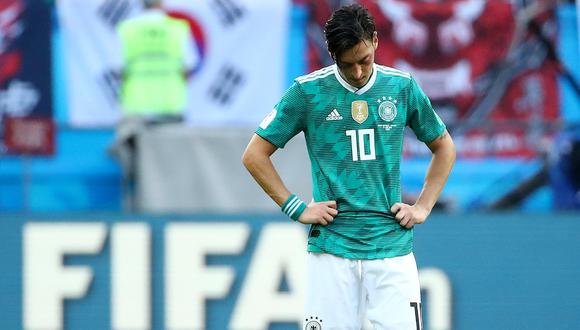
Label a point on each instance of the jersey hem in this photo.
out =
(361, 255)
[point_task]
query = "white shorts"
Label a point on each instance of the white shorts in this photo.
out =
(341, 292)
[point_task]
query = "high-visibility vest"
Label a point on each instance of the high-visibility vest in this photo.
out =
(154, 82)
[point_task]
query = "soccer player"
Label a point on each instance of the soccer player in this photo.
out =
(360, 242)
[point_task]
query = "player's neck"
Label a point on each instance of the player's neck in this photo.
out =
(353, 86)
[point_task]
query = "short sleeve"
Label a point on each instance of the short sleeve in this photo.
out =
(421, 117)
(286, 119)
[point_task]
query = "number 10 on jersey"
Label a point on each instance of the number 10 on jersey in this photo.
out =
(358, 141)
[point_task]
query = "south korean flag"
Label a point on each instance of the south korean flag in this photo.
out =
(242, 45)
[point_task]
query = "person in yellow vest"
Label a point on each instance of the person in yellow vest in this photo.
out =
(158, 56)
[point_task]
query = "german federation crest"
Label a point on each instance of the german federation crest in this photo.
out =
(359, 111)
(387, 111)
(313, 323)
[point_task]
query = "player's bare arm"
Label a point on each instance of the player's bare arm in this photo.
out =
(443, 151)
(256, 159)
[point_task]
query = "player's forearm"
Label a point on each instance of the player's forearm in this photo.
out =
(261, 168)
(438, 172)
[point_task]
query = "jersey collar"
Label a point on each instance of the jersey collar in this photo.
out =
(356, 90)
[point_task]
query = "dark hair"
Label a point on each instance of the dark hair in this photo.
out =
(348, 26)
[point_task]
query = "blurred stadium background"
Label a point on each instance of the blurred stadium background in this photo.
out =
(202, 247)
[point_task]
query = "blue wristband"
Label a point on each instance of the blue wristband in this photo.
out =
(293, 207)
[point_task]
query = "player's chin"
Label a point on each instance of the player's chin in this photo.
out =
(358, 83)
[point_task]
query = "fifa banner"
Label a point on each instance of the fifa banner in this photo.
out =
(487, 73)
(238, 77)
(26, 124)
(244, 272)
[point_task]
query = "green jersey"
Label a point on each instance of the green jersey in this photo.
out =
(355, 141)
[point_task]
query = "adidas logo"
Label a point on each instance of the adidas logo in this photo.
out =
(334, 115)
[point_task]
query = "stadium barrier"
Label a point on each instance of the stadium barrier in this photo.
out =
(246, 271)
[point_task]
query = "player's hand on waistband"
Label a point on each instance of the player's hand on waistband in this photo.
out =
(409, 215)
(321, 213)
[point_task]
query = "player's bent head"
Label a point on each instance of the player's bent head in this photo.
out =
(348, 26)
